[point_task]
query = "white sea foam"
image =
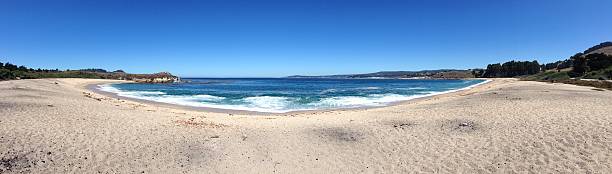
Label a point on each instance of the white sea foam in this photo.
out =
(359, 101)
(268, 102)
(274, 104)
(370, 88)
(328, 91)
(179, 100)
(208, 97)
(346, 101)
(258, 104)
(388, 98)
(426, 92)
(142, 93)
(108, 88)
(382, 99)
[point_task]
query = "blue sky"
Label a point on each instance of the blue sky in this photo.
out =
(278, 38)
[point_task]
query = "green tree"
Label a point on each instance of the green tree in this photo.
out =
(580, 65)
(598, 61)
(10, 66)
(596, 47)
(493, 70)
(22, 68)
(6, 74)
(512, 69)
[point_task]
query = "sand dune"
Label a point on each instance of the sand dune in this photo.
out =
(506, 126)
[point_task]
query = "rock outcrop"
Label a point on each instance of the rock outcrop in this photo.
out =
(162, 77)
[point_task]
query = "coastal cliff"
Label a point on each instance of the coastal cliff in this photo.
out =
(162, 77)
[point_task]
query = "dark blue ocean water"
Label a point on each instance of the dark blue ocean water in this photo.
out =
(286, 94)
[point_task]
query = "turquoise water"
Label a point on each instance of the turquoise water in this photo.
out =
(286, 94)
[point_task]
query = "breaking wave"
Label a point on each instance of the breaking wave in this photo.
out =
(325, 99)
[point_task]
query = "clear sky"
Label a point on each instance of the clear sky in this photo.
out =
(253, 38)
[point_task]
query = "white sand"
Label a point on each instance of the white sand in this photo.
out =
(505, 126)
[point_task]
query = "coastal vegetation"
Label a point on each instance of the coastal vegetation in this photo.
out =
(593, 63)
(512, 69)
(602, 47)
(592, 67)
(10, 71)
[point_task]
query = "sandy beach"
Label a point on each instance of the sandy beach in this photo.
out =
(505, 126)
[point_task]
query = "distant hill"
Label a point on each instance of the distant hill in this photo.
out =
(9, 71)
(323, 76)
(442, 73)
(593, 63)
(605, 48)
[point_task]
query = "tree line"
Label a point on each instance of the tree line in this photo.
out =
(511, 69)
(596, 47)
(558, 65)
(10, 71)
(585, 64)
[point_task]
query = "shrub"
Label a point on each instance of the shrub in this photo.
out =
(6, 74)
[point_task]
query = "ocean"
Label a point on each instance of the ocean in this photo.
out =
(279, 95)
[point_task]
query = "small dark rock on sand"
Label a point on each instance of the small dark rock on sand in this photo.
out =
(403, 125)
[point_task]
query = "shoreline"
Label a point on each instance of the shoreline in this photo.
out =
(95, 88)
(504, 126)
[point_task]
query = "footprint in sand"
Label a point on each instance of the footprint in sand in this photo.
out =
(339, 134)
(459, 125)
